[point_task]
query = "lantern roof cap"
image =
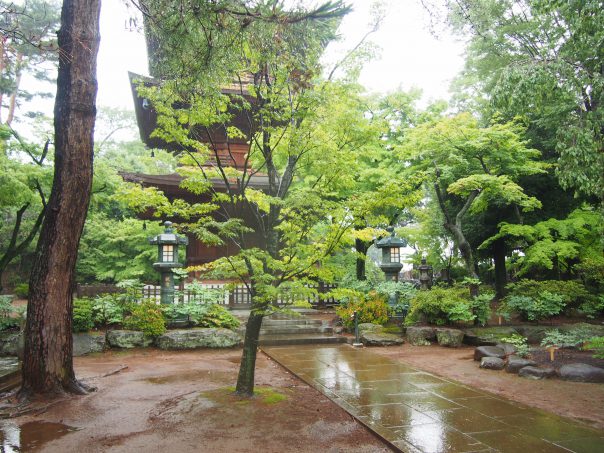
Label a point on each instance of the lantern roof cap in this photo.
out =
(390, 241)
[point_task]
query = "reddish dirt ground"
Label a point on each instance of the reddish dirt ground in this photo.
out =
(179, 401)
(582, 401)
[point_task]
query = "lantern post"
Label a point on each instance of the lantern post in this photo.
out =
(167, 259)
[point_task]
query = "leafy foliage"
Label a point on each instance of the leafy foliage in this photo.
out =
(519, 342)
(146, 317)
(82, 315)
(448, 305)
(9, 317)
(596, 344)
(371, 308)
(202, 314)
(572, 338)
(535, 308)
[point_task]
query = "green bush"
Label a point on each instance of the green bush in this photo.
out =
(372, 308)
(574, 294)
(596, 344)
(109, 309)
(7, 314)
(146, 317)
(22, 290)
(218, 316)
(481, 307)
(82, 315)
(573, 338)
(441, 306)
(535, 308)
(519, 342)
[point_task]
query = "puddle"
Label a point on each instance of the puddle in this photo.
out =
(30, 436)
(211, 375)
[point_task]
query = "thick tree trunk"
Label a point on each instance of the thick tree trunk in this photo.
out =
(465, 249)
(501, 277)
(247, 368)
(361, 248)
(47, 363)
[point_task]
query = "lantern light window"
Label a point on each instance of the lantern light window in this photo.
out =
(168, 253)
(395, 255)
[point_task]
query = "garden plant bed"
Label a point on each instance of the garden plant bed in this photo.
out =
(564, 356)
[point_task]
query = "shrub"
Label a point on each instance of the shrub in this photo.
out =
(22, 290)
(535, 308)
(146, 317)
(574, 337)
(519, 342)
(109, 309)
(441, 306)
(373, 309)
(573, 293)
(218, 316)
(7, 311)
(481, 307)
(82, 315)
(596, 344)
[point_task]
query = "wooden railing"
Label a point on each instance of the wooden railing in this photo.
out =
(236, 296)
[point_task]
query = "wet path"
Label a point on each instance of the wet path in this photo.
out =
(419, 412)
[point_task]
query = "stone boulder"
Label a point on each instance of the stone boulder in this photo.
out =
(492, 363)
(127, 339)
(581, 372)
(380, 339)
(88, 343)
(488, 351)
(487, 336)
(515, 364)
(198, 338)
(534, 334)
(12, 344)
(420, 336)
(369, 327)
(532, 372)
(449, 337)
(508, 348)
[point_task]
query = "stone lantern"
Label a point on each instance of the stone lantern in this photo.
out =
(391, 254)
(167, 259)
(425, 275)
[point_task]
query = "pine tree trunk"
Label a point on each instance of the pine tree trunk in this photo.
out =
(247, 368)
(47, 364)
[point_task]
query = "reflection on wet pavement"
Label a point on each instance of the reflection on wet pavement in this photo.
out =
(29, 436)
(419, 412)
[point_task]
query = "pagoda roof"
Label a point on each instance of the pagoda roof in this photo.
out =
(146, 117)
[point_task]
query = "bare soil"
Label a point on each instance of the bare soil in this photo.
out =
(156, 401)
(582, 401)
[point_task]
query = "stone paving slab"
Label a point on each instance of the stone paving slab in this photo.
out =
(419, 412)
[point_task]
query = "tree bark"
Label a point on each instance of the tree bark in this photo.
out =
(361, 248)
(47, 364)
(247, 368)
(499, 251)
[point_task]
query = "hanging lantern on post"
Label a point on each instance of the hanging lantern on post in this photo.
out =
(167, 259)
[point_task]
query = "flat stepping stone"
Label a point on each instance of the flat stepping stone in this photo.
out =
(492, 363)
(488, 351)
(581, 372)
(508, 348)
(533, 372)
(380, 339)
(515, 364)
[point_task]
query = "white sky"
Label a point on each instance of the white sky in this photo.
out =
(410, 55)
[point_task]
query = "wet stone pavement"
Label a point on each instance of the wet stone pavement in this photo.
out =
(416, 411)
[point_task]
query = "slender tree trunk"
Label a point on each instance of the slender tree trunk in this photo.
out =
(48, 364)
(13, 97)
(361, 248)
(499, 252)
(465, 249)
(247, 368)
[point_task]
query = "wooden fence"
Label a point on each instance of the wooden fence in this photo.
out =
(236, 296)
